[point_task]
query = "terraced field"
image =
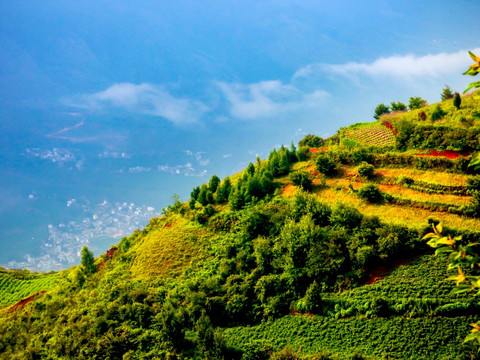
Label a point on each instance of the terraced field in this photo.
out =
(374, 134)
(17, 285)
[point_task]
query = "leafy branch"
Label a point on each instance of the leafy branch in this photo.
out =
(465, 259)
(473, 70)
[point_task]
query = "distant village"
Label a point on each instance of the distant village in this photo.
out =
(106, 220)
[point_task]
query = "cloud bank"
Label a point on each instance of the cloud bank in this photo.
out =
(301, 96)
(399, 67)
(187, 170)
(147, 99)
(267, 99)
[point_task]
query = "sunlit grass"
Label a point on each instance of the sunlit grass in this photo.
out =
(436, 177)
(165, 251)
(400, 215)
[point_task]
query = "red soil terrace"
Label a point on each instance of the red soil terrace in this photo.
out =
(25, 301)
(450, 154)
(381, 272)
(318, 149)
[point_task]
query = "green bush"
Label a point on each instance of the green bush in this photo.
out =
(301, 179)
(345, 216)
(446, 93)
(302, 153)
(366, 170)
(362, 155)
(438, 113)
(309, 204)
(325, 165)
(398, 106)
(310, 140)
(371, 193)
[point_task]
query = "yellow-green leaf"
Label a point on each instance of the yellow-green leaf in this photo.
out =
(474, 57)
(439, 228)
(458, 278)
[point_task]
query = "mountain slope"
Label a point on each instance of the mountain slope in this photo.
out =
(253, 265)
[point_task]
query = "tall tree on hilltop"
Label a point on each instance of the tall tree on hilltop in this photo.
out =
(380, 110)
(88, 261)
(446, 93)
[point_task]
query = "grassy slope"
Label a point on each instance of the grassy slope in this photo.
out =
(467, 115)
(337, 190)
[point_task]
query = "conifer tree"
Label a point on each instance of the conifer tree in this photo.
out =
(88, 261)
(213, 183)
(457, 100)
(446, 93)
(223, 190)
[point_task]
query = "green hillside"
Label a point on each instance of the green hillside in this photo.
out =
(313, 253)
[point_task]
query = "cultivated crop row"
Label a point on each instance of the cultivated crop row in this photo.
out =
(372, 136)
(13, 290)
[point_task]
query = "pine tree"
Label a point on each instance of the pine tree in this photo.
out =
(88, 261)
(213, 183)
(202, 195)
(457, 100)
(223, 190)
(446, 93)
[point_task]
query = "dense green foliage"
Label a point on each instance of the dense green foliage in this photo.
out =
(301, 179)
(416, 102)
(380, 110)
(366, 170)
(310, 140)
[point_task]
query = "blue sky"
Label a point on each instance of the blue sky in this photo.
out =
(112, 98)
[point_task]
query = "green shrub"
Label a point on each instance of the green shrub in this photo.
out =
(325, 165)
(362, 155)
(366, 170)
(438, 113)
(302, 153)
(256, 351)
(309, 204)
(371, 193)
(405, 180)
(310, 140)
(446, 93)
(398, 106)
(313, 298)
(345, 215)
(301, 179)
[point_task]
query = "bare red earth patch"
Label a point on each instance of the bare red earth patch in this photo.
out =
(450, 154)
(390, 126)
(318, 149)
(25, 301)
(380, 272)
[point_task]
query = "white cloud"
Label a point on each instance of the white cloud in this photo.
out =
(187, 170)
(139, 169)
(145, 99)
(198, 157)
(226, 156)
(267, 99)
(401, 66)
(55, 155)
(114, 155)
